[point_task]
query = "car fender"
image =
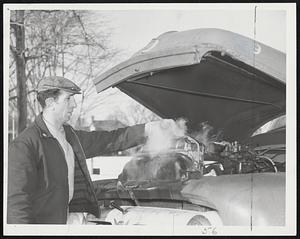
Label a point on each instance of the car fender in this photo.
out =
(243, 199)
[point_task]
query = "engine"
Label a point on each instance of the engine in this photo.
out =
(190, 159)
(235, 158)
(182, 162)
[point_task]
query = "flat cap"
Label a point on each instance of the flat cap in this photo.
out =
(58, 82)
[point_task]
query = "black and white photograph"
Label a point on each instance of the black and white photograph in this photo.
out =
(149, 119)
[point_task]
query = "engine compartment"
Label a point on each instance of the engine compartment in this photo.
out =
(237, 158)
(191, 159)
(151, 184)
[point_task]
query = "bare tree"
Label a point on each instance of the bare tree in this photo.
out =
(45, 43)
(18, 29)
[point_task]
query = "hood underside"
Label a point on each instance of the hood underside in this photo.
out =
(205, 75)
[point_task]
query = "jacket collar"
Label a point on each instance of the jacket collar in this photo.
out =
(42, 127)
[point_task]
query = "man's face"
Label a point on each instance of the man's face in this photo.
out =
(64, 106)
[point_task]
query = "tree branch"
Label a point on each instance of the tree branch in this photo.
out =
(12, 98)
(31, 91)
(12, 89)
(12, 23)
(27, 58)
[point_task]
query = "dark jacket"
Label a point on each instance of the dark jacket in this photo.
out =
(37, 171)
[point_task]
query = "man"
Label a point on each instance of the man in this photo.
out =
(48, 179)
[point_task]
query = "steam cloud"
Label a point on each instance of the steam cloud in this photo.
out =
(160, 139)
(202, 135)
(159, 162)
(206, 135)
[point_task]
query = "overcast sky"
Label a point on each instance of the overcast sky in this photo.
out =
(134, 29)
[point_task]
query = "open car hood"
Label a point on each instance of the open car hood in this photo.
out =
(205, 75)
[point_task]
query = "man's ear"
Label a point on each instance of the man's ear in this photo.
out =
(49, 102)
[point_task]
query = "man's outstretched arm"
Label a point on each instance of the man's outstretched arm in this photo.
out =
(96, 143)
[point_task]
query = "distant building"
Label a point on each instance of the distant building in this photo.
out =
(107, 125)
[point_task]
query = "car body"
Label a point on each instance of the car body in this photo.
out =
(234, 83)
